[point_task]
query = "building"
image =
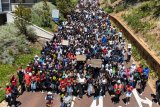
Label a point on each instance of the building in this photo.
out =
(6, 5)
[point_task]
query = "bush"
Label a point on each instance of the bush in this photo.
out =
(31, 35)
(133, 19)
(108, 10)
(11, 43)
(120, 7)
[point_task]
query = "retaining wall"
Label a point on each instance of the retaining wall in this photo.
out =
(146, 53)
(38, 30)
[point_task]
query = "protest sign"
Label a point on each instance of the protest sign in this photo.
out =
(65, 42)
(80, 57)
(96, 63)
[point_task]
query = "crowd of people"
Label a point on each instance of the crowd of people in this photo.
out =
(90, 33)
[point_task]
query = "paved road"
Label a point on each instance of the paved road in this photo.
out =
(29, 99)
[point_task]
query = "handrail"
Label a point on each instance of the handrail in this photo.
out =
(49, 33)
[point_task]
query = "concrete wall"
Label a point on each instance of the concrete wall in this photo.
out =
(0, 6)
(39, 31)
(147, 54)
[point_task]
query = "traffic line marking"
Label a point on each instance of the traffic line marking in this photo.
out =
(140, 100)
(100, 102)
(72, 104)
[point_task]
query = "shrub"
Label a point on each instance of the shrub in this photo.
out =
(120, 7)
(108, 9)
(31, 35)
(133, 19)
(11, 43)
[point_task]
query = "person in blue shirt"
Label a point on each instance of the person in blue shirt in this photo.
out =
(146, 71)
(104, 40)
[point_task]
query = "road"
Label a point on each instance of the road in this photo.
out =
(36, 99)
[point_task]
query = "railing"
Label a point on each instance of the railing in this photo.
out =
(39, 31)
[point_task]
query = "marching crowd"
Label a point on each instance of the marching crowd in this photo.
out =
(57, 70)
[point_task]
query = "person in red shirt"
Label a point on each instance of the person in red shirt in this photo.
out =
(28, 68)
(8, 89)
(69, 81)
(129, 89)
(8, 94)
(118, 87)
(14, 81)
(140, 69)
(28, 81)
(105, 50)
(63, 84)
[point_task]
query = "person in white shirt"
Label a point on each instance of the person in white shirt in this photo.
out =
(67, 100)
(120, 35)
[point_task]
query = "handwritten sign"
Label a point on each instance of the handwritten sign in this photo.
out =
(129, 46)
(80, 57)
(96, 63)
(65, 42)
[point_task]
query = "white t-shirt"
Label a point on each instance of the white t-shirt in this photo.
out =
(81, 80)
(120, 34)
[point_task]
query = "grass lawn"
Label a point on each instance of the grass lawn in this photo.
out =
(6, 71)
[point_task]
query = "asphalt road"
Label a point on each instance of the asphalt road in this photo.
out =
(37, 99)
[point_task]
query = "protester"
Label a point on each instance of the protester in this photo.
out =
(129, 89)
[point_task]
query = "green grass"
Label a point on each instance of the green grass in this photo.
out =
(134, 20)
(108, 10)
(6, 71)
(137, 16)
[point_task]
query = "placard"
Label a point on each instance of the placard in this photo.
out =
(80, 57)
(65, 42)
(129, 46)
(96, 63)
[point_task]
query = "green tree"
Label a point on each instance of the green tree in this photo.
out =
(46, 15)
(22, 19)
(66, 6)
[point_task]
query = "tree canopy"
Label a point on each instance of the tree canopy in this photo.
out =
(66, 6)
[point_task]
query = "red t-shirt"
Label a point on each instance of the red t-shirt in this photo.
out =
(139, 69)
(105, 50)
(28, 69)
(118, 88)
(69, 81)
(14, 82)
(28, 79)
(129, 88)
(63, 83)
(8, 90)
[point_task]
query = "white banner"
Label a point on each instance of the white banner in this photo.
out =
(55, 13)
